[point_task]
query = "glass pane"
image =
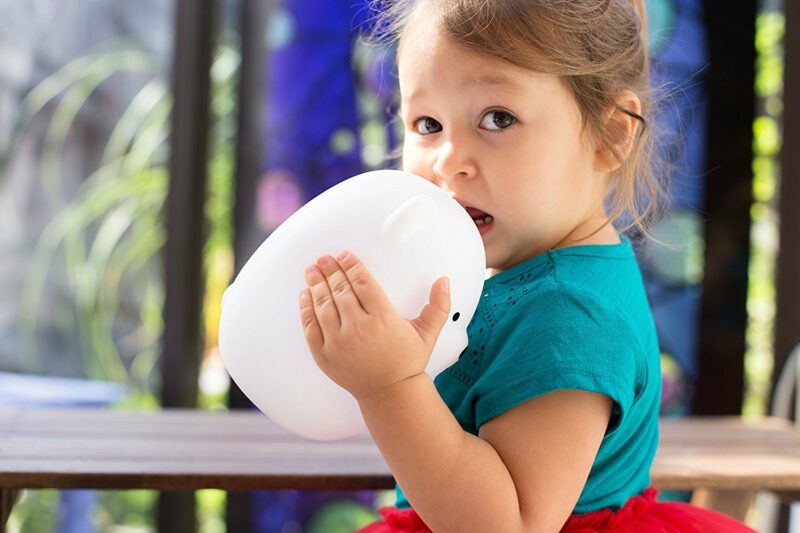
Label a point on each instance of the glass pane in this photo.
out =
(84, 110)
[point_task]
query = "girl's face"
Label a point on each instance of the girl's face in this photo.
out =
(504, 141)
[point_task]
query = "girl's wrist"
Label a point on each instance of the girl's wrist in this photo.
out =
(392, 391)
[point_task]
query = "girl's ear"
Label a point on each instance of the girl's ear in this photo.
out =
(621, 129)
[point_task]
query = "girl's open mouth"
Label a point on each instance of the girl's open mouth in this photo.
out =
(482, 219)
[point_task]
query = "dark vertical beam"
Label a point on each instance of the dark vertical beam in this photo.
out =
(249, 143)
(731, 109)
(787, 317)
(182, 343)
(8, 498)
(253, 22)
(185, 202)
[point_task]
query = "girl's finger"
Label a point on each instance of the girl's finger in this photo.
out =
(308, 319)
(342, 292)
(324, 306)
(366, 288)
(436, 312)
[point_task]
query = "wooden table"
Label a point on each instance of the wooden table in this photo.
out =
(188, 450)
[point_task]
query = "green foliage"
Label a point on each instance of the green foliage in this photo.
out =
(35, 511)
(134, 508)
(211, 510)
(108, 235)
(767, 141)
(109, 232)
(341, 517)
(766, 136)
(770, 30)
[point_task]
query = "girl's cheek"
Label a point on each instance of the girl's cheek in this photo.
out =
(414, 162)
(410, 165)
(421, 170)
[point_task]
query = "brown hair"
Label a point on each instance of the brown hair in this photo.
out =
(598, 48)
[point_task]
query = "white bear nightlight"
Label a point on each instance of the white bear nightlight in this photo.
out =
(407, 232)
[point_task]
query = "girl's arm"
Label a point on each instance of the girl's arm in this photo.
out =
(524, 473)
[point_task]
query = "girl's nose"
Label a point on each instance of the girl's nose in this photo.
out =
(453, 162)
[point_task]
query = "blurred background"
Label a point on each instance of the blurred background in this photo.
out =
(147, 148)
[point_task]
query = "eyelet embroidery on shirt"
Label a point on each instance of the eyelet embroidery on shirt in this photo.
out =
(495, 312)
(477, 354)
(469, 365)
(467, 369)
(462, 376)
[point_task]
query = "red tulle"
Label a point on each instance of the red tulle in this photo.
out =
(641, 514)
(397, 520)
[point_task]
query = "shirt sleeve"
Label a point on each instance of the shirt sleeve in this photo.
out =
(560, 337)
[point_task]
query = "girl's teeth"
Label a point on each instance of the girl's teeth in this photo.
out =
(485, 220)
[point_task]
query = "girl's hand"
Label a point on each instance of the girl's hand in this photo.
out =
(354, 332)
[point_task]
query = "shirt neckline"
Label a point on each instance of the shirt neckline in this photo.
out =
(621, 249)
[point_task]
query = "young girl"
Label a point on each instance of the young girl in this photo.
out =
(532, 115)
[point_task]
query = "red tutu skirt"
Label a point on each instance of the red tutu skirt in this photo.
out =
(641, 514)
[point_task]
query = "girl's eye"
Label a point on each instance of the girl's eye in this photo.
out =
(497, 120)
(427, 125)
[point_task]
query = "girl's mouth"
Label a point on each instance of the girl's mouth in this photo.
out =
(483, 220)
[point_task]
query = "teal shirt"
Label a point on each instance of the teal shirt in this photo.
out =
(572, 318)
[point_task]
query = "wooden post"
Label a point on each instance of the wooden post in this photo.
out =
(734, 503)
(731, 109)
(249, 161)
(8, 497)
(182, 340)
(787, 286)
(787, 316)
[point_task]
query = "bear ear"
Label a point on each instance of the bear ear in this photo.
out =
(409, 219)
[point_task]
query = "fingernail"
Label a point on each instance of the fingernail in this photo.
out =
(304, 295)
(342, 256)
(446, 284)
(312, 270)
(325, 260)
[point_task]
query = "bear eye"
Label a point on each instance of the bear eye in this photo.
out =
(456, 316)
